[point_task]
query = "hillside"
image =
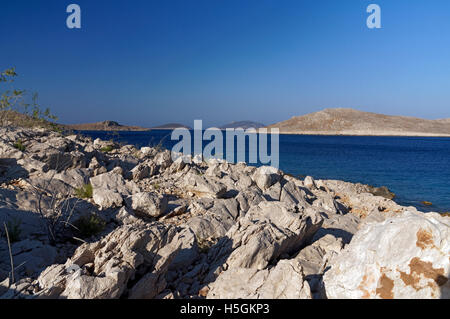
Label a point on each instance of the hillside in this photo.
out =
(342, 121)
(15, 118)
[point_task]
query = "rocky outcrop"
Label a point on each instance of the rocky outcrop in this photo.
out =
(95, 219)
(284, 281)
(130, 261)
(262, 236)
(406, 256)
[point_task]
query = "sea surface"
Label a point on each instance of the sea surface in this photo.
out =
(416, 169)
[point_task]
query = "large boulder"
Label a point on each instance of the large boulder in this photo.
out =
(149, 204)
(402, 257)
(266, 176)
(115, 182)
(110, 188)
(106, 198)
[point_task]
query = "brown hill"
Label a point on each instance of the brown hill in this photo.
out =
(342, 121)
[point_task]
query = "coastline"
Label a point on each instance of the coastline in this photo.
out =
(385, 134)
(207, 221)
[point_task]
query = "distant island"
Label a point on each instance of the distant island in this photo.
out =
(345, 121)
(105, 126)
(115, 126)
(170, 126)
(242, 124)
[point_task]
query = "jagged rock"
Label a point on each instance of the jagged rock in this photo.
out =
(402, 257)
(249, 198)
(310, 183)
(216, 220)
(30, 258)
(284, 281)
(314, 260)
(362, 203)
(99, 144)
(203, 187)
(178, 165)
(148, 151)
(96, 168)
(141, 171)
(33, 255)
(149, 204)
(266, 176)
(273, 193)
(114, 182)
(18, 289)
(163, 159)
(291, 194)
(49, 185)
(76, 178)
(340, 226)
(188, 252)
(266, 232)
(124, 262)
(57, 159)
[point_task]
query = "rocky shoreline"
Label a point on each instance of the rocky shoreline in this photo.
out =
(94, 219)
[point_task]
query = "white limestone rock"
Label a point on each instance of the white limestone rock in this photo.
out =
(402, 257)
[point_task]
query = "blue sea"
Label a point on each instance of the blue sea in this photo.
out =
(416, 169)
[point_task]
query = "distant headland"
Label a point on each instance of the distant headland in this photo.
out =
(345, 121)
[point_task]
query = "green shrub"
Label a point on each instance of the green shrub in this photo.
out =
(15, 106)
(84, 192)
(107, 149)
(19, 146)
(88, 226)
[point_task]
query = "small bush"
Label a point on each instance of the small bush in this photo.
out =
(14, 230)
(156, 186)
(107, 149)
(203, 245)
(19, 146)
(88, 226)
(84, 191)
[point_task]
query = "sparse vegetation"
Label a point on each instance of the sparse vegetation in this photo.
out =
(57, 213)
(17, 108)
(91, 225)
(107, 149)
(203, 245)
(84, 192)
(19, 145)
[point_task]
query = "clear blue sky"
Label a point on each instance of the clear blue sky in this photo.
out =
(147, 62)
